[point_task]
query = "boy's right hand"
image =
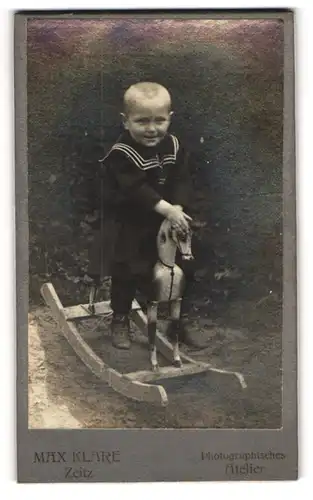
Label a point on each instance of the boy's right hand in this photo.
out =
(173, 213)
(178, 218)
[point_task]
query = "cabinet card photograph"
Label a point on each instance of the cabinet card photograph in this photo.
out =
(156, 276)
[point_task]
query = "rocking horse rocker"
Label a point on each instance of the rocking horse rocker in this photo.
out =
(167, 287)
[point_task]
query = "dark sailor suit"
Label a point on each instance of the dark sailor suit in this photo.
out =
(131, 180)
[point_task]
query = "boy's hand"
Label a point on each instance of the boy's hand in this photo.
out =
(178, 218)
(174, 213)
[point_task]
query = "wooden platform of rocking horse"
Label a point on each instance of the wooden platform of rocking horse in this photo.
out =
(138, 385)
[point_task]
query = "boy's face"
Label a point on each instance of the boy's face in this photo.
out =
(148, 121)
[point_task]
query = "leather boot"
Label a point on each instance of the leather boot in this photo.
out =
(120, 330)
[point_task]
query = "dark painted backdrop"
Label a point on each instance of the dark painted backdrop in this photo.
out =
(226, 80)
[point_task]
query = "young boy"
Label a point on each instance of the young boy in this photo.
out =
(146, 180)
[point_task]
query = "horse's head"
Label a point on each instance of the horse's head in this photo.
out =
(169, 240)
(182, 239)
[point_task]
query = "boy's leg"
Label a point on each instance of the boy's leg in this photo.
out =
(186, 335)
(123, 290)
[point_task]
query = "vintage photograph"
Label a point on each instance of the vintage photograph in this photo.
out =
(155, 222)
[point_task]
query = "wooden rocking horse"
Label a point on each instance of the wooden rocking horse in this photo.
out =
(168, 286)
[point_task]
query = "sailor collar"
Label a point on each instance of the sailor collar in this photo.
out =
(144, 157)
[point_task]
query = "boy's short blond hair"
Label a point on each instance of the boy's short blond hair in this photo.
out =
(145, 90)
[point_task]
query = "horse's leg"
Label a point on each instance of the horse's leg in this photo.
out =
(152, 312)
(174, 319)
(93, 292)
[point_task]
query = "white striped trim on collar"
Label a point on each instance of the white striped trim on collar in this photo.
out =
(176, 145)
(135, 157)
(139, 161)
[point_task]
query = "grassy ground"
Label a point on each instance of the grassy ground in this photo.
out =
(64, 394)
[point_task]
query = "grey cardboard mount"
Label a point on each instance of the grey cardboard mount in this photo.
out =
(128, 455)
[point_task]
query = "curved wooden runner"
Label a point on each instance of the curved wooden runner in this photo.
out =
(132, 385)
(165, 348)
(121, 383)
